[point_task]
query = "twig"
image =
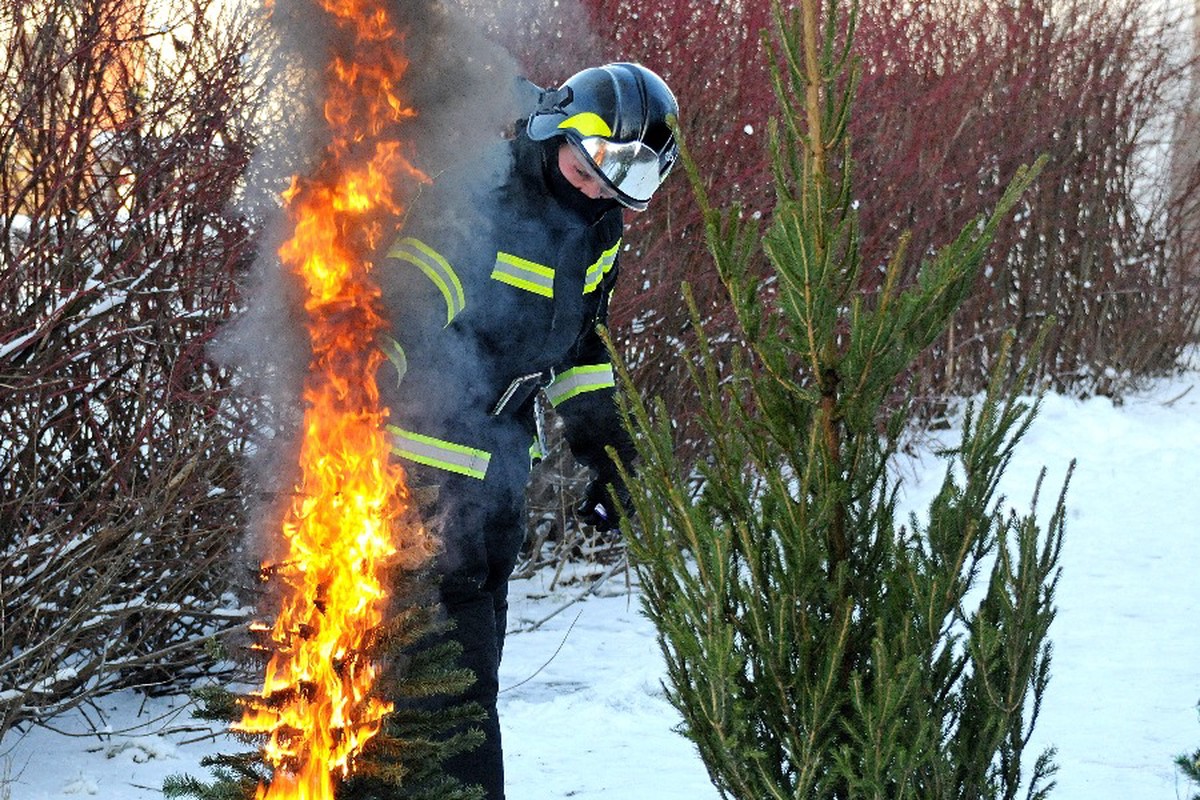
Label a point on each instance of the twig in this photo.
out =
(595, 585)
(101, 734)
(1178, 397)
(210, 735)
(553, 656)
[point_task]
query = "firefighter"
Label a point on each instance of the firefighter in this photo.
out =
(494, 307)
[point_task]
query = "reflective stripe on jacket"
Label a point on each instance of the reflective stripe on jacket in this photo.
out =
(436, 268)
(577, 380)
(440, 453)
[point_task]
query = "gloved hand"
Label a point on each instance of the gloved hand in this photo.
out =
(597, 507)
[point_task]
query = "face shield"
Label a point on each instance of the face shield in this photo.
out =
(631, 169)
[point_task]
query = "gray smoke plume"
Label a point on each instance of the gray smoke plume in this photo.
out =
(467, 93)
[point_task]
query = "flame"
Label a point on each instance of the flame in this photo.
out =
(316, 708)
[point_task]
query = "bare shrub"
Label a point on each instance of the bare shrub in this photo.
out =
(125, 130)
(952, 85)
(554, 539)
(953, 96)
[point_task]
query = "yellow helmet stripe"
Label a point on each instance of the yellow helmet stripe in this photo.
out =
(588, 123)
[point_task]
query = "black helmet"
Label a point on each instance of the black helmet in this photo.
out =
(617, 117)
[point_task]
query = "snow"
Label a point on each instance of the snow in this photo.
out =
(583, 708)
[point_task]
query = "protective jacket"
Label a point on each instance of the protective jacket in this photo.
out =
(490, 305)
(490, 302)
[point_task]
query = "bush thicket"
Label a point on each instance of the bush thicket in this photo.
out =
(124, 132)
(953, 95)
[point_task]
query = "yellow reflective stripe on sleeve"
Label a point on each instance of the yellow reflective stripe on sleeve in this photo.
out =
(395, 354)
(439, 453)
(524, 274)
(579, 380)
(436, 268)
(597, 271)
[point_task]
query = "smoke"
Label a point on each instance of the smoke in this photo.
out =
(464, 87)
(467, 91)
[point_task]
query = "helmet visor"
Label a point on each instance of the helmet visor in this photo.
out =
(631, 168)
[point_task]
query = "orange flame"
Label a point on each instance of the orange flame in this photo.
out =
(315, 706)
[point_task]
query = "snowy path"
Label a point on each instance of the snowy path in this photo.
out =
(585, 716)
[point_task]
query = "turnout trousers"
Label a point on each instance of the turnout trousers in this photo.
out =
(482, 528)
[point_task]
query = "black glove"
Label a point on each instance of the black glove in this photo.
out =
(597, 507)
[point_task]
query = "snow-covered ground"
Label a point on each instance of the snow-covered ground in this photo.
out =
(585, 716)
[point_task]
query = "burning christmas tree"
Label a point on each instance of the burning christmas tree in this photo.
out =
(350, 534)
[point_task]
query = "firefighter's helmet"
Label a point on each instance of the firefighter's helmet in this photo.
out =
(619, 117)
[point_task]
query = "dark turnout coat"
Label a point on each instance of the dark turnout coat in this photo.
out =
(491, 304)
(492, 299)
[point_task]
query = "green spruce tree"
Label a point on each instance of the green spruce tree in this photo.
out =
(816, 646)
